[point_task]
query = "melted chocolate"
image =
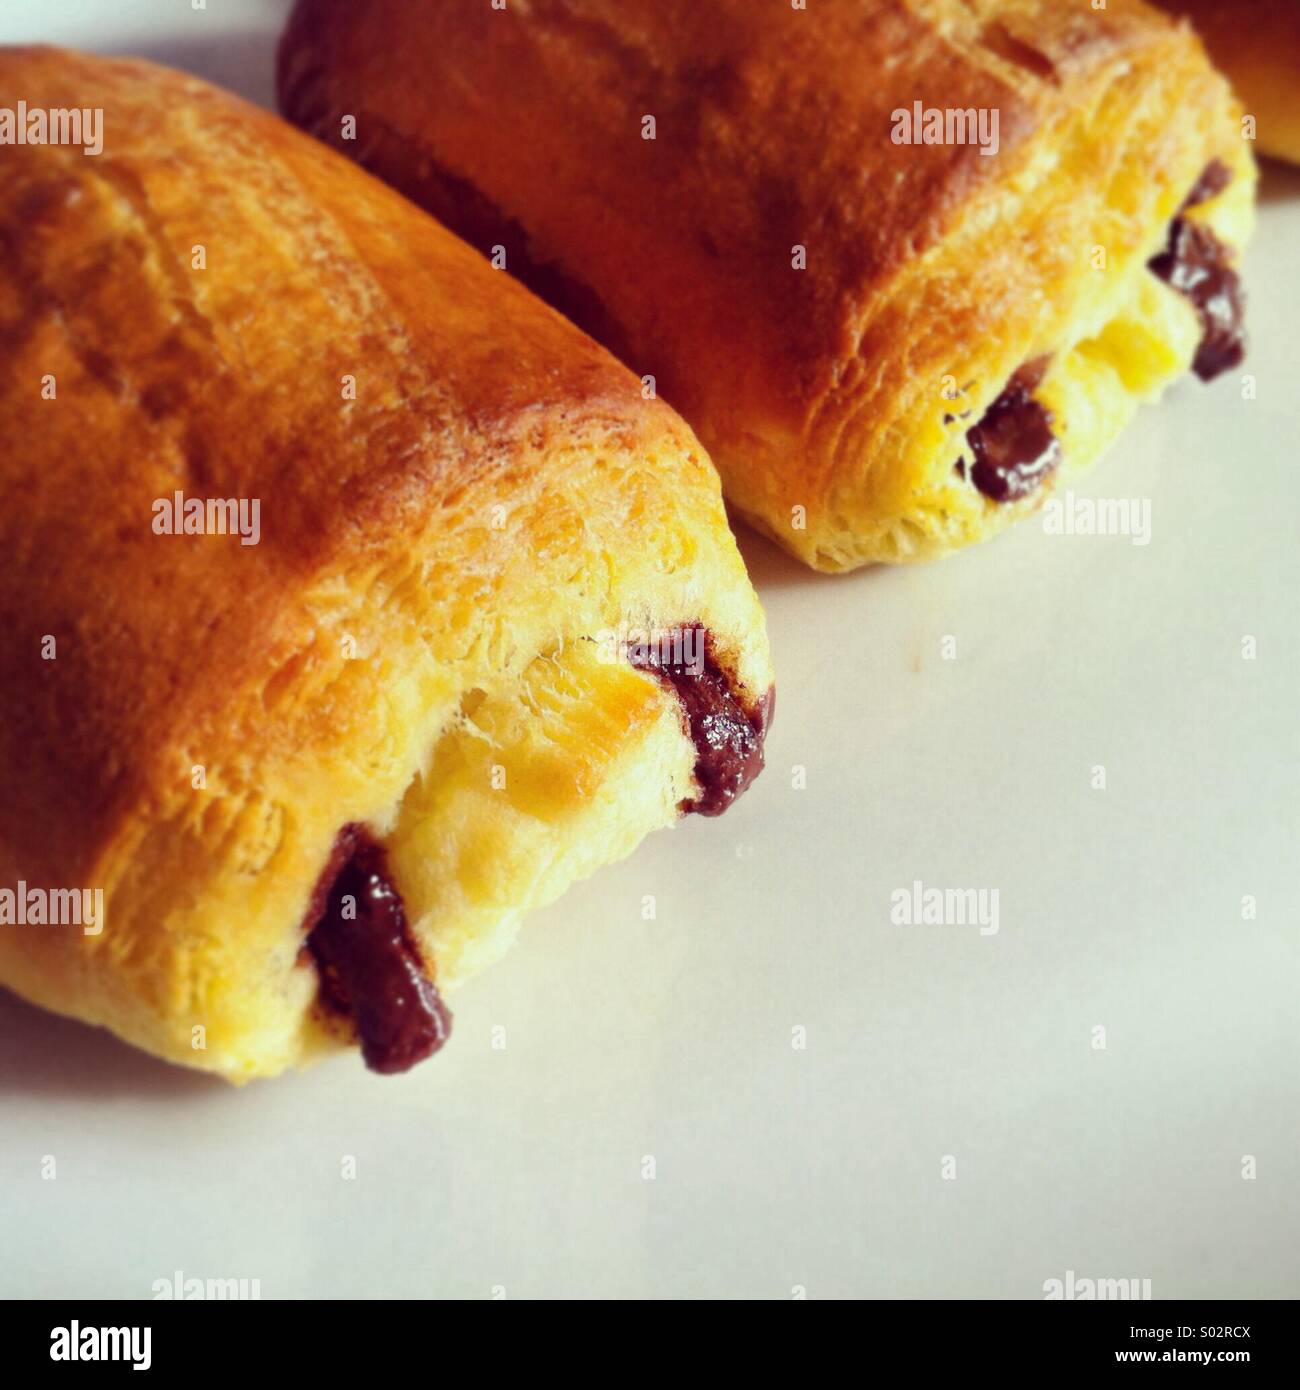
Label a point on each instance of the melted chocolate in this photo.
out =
(1215, 177)
(1195, 262)
(1013, 445)
(728, 740)
(369, 966)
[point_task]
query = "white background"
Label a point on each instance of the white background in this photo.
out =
(821, 1167)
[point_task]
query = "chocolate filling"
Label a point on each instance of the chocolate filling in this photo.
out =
(728, 740)
(1195, 262)
(369, 966)
(357, 933)
(1215, 177)
(1013, 446)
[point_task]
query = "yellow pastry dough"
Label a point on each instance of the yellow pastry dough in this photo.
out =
(462, 503)
(715, 189)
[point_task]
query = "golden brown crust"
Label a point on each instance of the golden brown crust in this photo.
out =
(497, 490)
(1257, 43)
(523, 127)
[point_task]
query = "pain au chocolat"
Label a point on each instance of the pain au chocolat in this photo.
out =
(904, 265)
(484, 629)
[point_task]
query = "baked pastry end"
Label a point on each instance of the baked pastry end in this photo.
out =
(892, 348)
(493, 630)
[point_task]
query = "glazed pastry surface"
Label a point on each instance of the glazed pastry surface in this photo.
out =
(1257, 44)
(412, 682)
(831, 309)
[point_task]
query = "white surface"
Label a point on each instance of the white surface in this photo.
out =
(777, 1167)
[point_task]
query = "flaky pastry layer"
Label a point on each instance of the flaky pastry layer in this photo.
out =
(461, 500)
(714, 189)
(1257, 44)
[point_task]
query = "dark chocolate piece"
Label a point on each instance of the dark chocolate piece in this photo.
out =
(1195, 263)
(1215, 177)
(369, 965)
(1013, 445)
(728, 739)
